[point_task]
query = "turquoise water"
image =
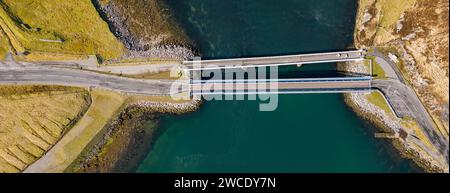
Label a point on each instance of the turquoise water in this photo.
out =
(307, 133)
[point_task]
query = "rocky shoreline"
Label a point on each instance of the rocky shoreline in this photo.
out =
(365, 35)
(124, 142)
(127, 139)
(416, 34)
(139, 47)
(120, 147)
(385, 123)
(362, 108)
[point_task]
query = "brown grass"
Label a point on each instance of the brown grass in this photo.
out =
(421, 44)
(76, 23)
(4, 45)
(165, 75)
(33, 119)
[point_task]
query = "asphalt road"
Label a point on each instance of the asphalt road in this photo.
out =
(402, 98)
(389, 67)
(406, 103)
(71, 77)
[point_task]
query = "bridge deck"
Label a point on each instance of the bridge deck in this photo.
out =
(281, 86)
(276, 60)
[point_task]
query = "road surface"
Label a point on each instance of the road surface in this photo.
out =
(406, 103)
(72, 77)
(277, 60)
(402, 98)
(305, 85)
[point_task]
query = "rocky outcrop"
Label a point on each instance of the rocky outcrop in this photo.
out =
(174, 108)
(132, 23)
(127, 139)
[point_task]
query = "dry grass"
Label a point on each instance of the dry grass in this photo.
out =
(421, 45)
(9, 29)
(378, 100)
(33, 120)
(11, 91)
(142, 61)
(413, 126)
(42, 56)
(76, 23)
(441, 126)
(384, 16)
(392, 10)
(165, 75)
(4, 45)
(105, 106)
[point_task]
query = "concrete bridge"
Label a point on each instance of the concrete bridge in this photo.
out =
(299, 59)
(280, 86)
(37, 74)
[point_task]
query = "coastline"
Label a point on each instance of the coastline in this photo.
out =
(135, 128)
(174, 45)
(398, 145)
(123, 142)
(385, 123)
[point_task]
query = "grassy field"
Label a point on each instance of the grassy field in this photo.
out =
(104, 108)
(392, 10)
(11, 91)
(4, 45)
(53, 26)
(33, 118)
(378, 100)
(384, 16)
(105, 105)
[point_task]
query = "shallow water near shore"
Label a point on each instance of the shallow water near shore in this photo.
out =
(307, 133)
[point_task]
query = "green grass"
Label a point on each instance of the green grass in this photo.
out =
(378, 100)
(77, 23)
(377, 71)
